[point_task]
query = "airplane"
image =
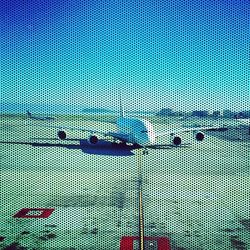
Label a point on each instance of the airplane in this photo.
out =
(138, 132)
(39, 118)
(244, 121)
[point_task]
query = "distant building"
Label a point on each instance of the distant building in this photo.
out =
(239, 115)
(216, 114)
(166, 112)
(244, 114)
(200, 113)
(247, 113)
(228, 113)
(180, 113)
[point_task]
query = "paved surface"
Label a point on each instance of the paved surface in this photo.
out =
(197, 196)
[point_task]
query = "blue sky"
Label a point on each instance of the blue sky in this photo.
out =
(179, 54)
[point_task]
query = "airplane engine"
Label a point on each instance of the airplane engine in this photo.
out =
(61, 135)
(93, 139)
(199, 136)
(176, 140)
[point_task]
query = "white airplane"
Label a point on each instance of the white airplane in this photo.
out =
(45, 118)
(139, 132)
(245, 121)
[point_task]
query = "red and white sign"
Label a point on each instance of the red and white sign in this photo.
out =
(34, 213)
(127, 242)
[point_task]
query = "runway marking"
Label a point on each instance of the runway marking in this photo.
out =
(163, 243)
(34, 213)
(141, 219)
(159, 243)
(141, 222)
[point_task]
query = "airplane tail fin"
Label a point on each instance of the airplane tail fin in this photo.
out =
(121, 106)
(29, 114)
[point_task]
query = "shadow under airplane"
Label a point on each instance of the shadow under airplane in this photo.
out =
(103, 147)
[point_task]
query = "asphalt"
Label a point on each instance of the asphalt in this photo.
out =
(196, 196)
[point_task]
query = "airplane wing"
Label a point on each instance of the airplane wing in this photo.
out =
(115, 135)
(92, 131)
(185, 130)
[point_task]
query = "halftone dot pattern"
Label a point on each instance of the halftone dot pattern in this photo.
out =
(63, 58)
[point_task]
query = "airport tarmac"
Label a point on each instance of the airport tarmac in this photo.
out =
(197, 196)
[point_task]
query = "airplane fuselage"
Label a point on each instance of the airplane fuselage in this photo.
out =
(244, 121)
(136, 131)
(39, 118)
(42, 118)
